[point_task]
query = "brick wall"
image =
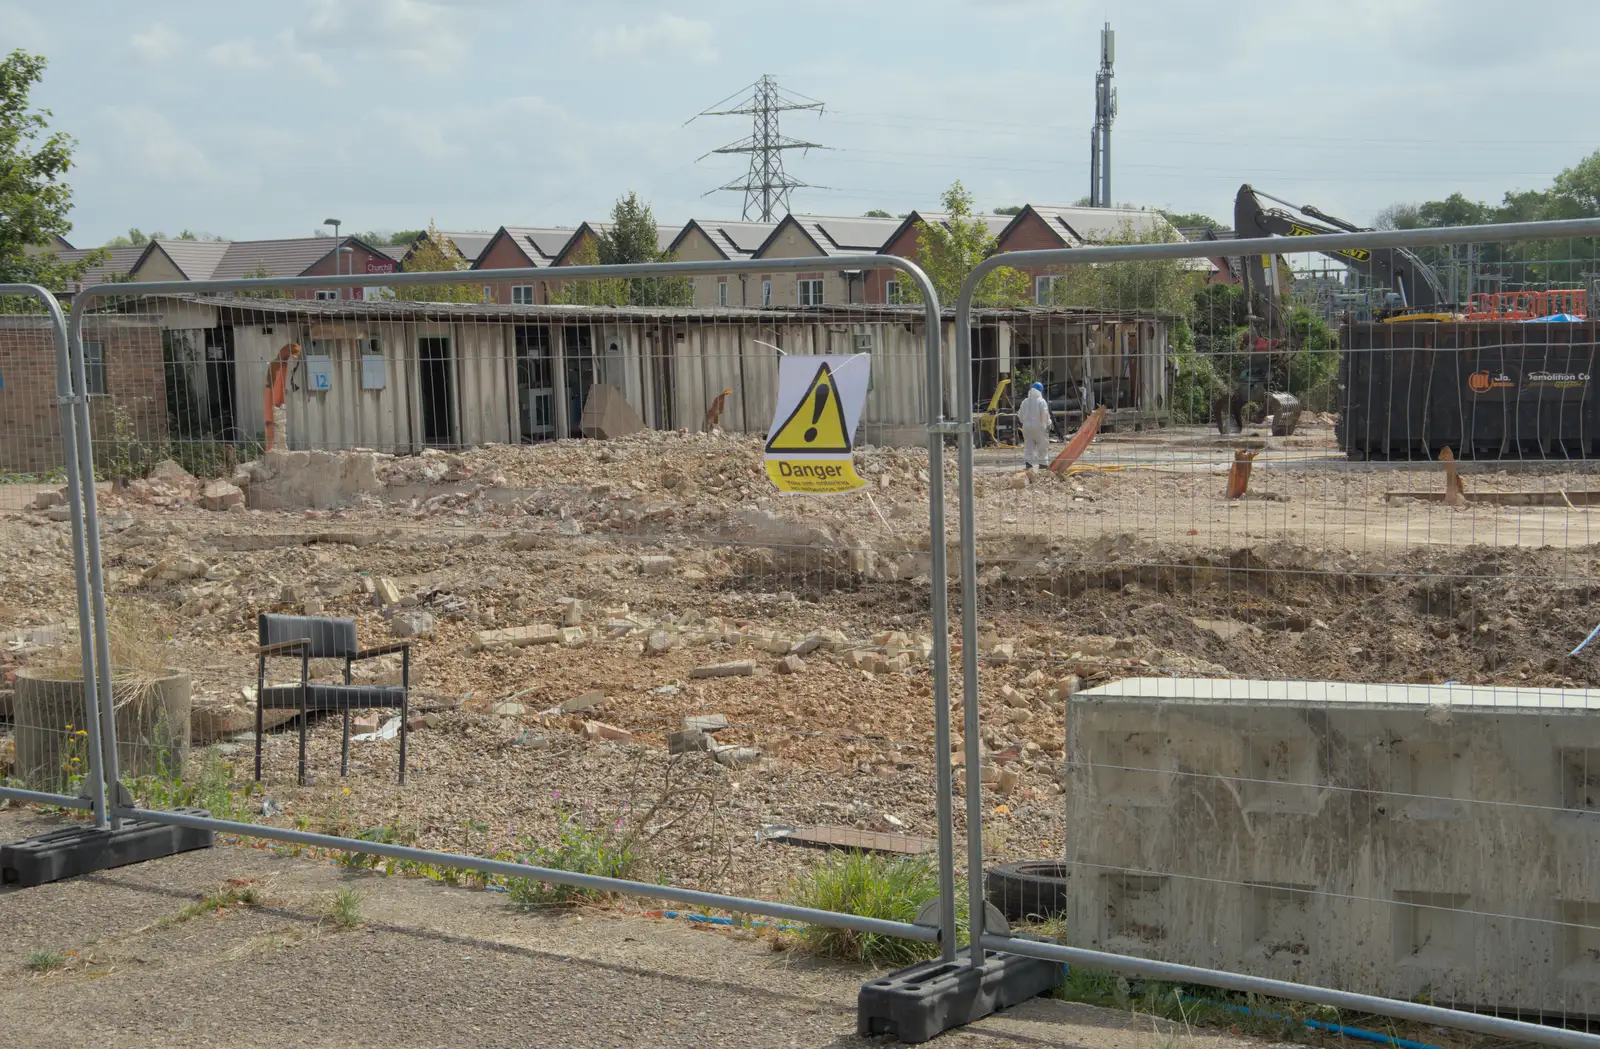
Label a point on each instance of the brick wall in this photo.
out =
(30, 421)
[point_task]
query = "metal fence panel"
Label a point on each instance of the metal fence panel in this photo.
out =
(54, 749)
(630, 658)
(1309, 706)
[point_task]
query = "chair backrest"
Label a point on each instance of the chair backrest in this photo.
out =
(330, 638)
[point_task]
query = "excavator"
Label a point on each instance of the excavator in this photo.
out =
(277, 385)
(1416, 293)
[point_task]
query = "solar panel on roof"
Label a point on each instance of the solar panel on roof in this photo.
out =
(746, 236)
(858, 234)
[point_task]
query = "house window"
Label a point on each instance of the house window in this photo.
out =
(94, 367)
(522, 295)
(1044, 289)
(327, 294)
(894, 292)
(488, 293)
(766, 292)
(808, 291)
(722, 293)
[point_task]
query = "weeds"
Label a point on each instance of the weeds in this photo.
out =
(871, 886)
(583, 848)
(235, 893)
(345, 909)
(45, 961)
(209, 785)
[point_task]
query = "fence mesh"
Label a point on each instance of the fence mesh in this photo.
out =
(1284, 674)
(629, 653)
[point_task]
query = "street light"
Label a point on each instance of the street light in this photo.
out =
(335, 223)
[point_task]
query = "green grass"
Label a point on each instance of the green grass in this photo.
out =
(893, 888)
(584, 847)
(206, 783)
(345, 910)
(45, 961)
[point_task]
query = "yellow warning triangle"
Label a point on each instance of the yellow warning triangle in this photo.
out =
(817, 422)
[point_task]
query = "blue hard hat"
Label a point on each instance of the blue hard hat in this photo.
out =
(1039, 386)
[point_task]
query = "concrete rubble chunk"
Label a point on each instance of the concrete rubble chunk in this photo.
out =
(587, 701)
(658, 643)
(508, 710)
(413, 624)
(1019, 715)
(807, 645)
(791, 665)
(988, 773)
(45, 500)
(573, 636)
(386, 593)
(707, 723)
(1012, 697)
(687, 741)
(598, 730)
(741, 668)
(220, 495)
(656, 564)
(573, 615)
(516, 637)
(737, 757)
(175, 568)
(1008, 780)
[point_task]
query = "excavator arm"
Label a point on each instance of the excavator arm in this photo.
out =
(1402, 271)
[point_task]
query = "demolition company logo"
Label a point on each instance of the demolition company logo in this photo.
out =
(1560, 380)
(1483, 382)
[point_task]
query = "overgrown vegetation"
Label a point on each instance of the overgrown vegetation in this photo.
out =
(1159, 285)
(234, 893)
(437, 253)
(1272, 1019)
(585, 845)
(869, 885)
(124, 454)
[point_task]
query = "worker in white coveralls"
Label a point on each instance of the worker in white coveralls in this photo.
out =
(1034, 418)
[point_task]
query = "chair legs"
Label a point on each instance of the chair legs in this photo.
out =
(405, 708)
(344, 745)
(261, 678)
(305, 713)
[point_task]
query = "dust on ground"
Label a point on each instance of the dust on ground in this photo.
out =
(645, 560)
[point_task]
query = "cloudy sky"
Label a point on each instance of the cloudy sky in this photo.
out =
(258, 120)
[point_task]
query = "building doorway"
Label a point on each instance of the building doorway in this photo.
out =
(579, 374)
(437, 391)
(535, 384)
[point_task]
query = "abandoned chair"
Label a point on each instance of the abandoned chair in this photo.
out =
(323, 637)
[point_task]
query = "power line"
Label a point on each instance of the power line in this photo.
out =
(767, 186)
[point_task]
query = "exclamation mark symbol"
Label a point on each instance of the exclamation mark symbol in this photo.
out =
(819, 402)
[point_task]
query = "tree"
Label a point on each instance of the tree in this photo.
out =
(1193, 220)
(34, 197)
(436, 254)
(134, 238)
(1160, 285)
(380, 237)
(950, 250)
(632, 237)
(876, 213)
(1009, 209)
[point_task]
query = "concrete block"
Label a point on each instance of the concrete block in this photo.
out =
(516, 637)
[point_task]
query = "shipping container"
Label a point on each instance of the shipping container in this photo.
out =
(1410, 389)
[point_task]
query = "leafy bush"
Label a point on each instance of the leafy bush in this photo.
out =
(870, 886)
(606, 849)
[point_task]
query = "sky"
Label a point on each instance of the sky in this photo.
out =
(260, 120)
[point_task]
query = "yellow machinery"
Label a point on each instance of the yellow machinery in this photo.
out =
(989, 420)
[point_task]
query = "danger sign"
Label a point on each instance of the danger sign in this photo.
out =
(820, 400)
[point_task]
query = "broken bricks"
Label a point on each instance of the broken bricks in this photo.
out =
(741, 668)
(599, 730)
(516, 637)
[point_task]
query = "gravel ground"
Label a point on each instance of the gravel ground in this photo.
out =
(428, 967)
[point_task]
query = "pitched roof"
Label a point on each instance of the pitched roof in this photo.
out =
(471, 244)
(195, 259)
(397, 252)
(118, 262)
(1081, 225)
(838, 235)
(994, 224)
(733, 240)
(540, 245)
(274, 258)
(665, 237)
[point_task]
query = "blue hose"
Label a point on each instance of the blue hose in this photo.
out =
(1320, 1025)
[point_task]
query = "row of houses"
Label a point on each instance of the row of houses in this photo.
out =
(400, 376)
(698, 240)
